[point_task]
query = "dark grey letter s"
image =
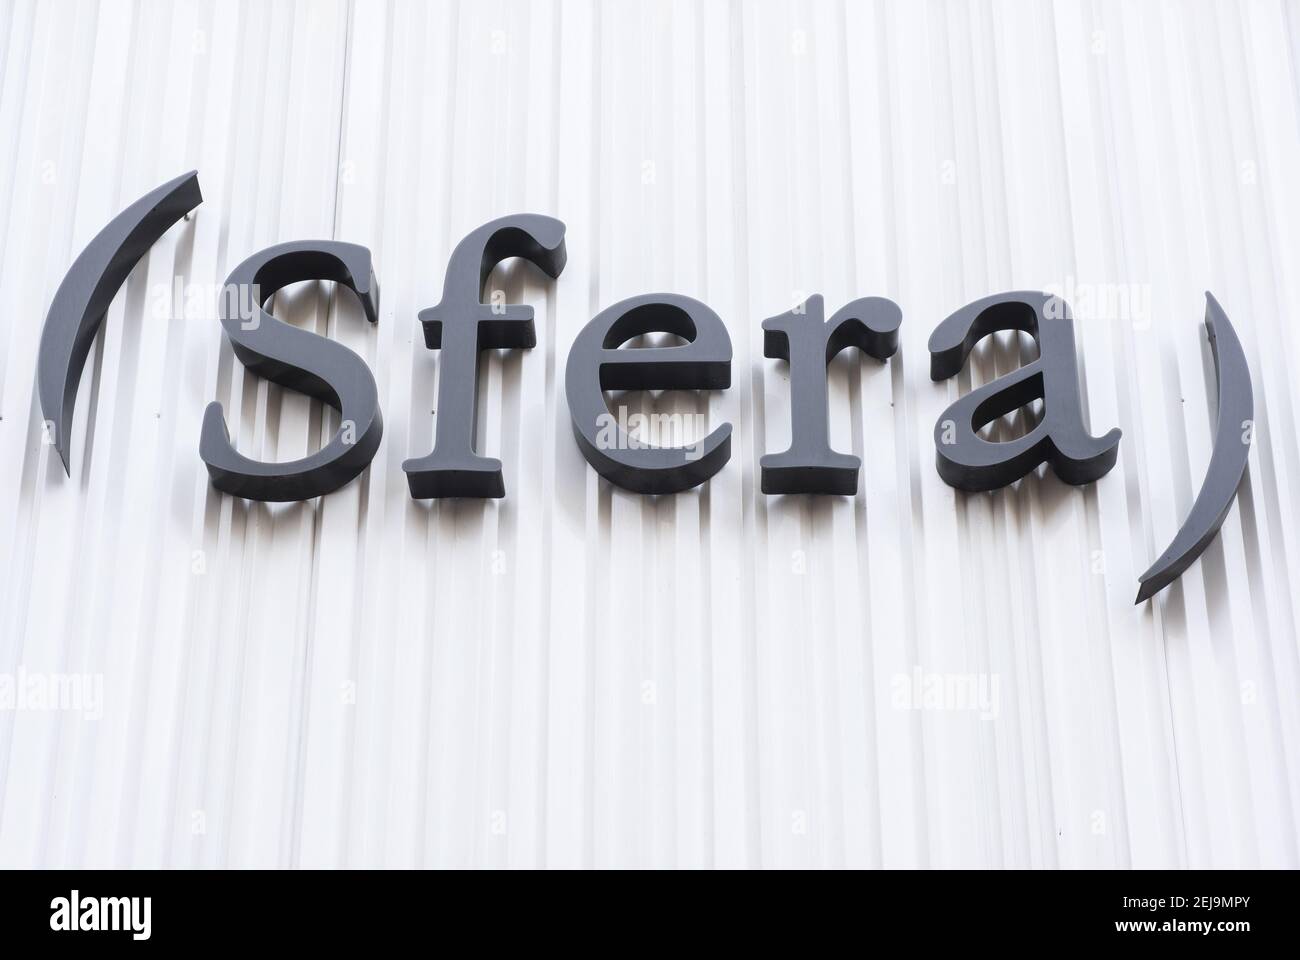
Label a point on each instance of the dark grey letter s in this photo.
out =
(301, 361)
(596, 364)
(460, 326)
(809, 344)
(89, 287)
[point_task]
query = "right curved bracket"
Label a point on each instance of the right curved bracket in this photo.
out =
(1233, 431)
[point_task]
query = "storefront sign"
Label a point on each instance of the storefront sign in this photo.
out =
(461, 325)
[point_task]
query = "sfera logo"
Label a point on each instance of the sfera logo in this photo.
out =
(461, 326)
(75, 913)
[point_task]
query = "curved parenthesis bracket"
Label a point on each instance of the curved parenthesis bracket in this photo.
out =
(87, 290)
(1227, 460)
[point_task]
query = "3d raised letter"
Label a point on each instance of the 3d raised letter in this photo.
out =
(596, 364)
(809, 345)
(1234, 430)
(301, 361)
(87, 290)
(461, 325)
(1061, 439)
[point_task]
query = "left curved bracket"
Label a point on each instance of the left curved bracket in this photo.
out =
(88, 288)
(1233, 431)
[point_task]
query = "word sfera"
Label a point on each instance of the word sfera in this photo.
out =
(461, 326)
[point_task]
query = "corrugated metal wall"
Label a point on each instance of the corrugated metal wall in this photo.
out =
(576, 675)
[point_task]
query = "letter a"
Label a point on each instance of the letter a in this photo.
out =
(969, 462)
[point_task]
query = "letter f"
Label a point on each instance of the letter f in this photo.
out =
(460, 326)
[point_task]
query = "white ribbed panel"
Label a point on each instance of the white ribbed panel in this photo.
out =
(576, 675)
